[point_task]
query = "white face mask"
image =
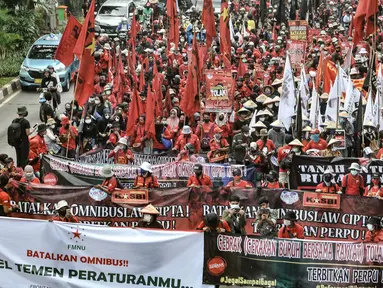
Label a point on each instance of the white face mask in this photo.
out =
(97, 102)
(270, 106)
(370, 227)
(52, 126)
(147, 218)
(354, 172)
(88, 121)
(276, 104)
(262, 119)
(286, 222)
(296, 150)
(235, 206)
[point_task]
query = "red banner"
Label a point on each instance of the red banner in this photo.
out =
(184, 209)
(298, 30)
(219, 91)
(297, 53)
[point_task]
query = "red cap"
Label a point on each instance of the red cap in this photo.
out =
(315, 131)
(64, 120)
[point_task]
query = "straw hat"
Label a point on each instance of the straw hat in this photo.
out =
(106, 171)
(243, 109)
(332, 141)
(324, 96)
(249, 104)
(262, 112)
(149, 209)
(261, 98)
(354, 166)
(277, 82)
(277, 124)
(271, 100)
(343, 114)
(369, 124)
(295, 142)
(259, 124)
(307, 129)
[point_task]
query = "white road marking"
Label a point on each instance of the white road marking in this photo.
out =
(10, 98)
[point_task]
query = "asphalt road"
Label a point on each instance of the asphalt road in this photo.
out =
(8, 112)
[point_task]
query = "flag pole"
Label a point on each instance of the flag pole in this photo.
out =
(338, 93)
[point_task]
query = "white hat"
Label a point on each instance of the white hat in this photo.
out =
(277, 124)
(106, 171)
(262, 112)
(186, 129)
(307, 129)
(259, 124)
(313, 74)
(147, 167)
(123, 140)
(295, 142)
(333, 140)
(162, 31)
(277, 82)
(363, 51)
(243, 109)
(62, 204)
(369, 124)
(107, 46)
(354, 71)
(249, 104)
(354, 166)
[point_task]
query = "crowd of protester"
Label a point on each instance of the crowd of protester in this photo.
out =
(251, 135)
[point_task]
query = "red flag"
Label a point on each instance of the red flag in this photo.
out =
(171, 11)
(110, 68)
(330, 73)
(64, 52)
(274, 35)
(319, 75)
(365, 14)
(168, 102)
(135, 27)
(86, 44)
(150, 114)
(224, 30)
(157, 90)
(190, 100)
(133, 113)
(242, 69)
(208, 21)
(142, 79)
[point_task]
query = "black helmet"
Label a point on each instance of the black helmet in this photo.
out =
(211, 220)
(237, 172)
(374, 221)
(47, 70)
(50, 67)
(290, 215)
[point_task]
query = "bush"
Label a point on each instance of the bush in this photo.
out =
(10, 66)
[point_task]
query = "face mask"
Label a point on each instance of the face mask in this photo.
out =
(29, 176)
(107, 117)
(327, 178)
(370, 227)
(341, 120)
(315, 138)
(147, 218)
(66, 126)
(62, 213)
(97, 102)
(296, 150)
(375, 181)
(276, 104)
(164, 123)
(217, 136)
(246, 134)
(286, 222)
(269, 106)
(206, 120)
(354, 172)
(52, 126)
(91, 100)
(67, 108)
(221, 118)
(236, 206)
(262, 119)
(108, 92)
(88, 121)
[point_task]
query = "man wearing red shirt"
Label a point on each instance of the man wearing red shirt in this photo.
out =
(5, 201)
(219, 147)
(121, 154)
(328, 186)
(205, 131)
(238, 182)
(374, 233)
(290, 228)
(199, 179)
(63, 213)
(213, 223)
(29, 176)
(67, 136)
(146, 179)
(353, 182)
(110, 183)
(187, 137)
(316, 142)
(265, 143)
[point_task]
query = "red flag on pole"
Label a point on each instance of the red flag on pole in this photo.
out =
(133, 113)
(171, 11)
(84, 50)
(157, 90)
(330, 72)
(364, 14)
(64, 52)
(208, 21)
(150, 114)
(224, 30)
(190, 101)
(135, 27)
(242, 69)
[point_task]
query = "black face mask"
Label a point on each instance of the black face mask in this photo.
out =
(206, 120)
(327, 178)
(221, 118)
(62, 213)
(66, 126)
(198, 172)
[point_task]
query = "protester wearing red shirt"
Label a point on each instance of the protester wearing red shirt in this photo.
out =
(316, 142)
(110, 183)
(272, 181)
(219, 147)
(146, 179)
(29, 176)
(374, 233)
(121, 154)
(374, 189)
(213, 223)
(115, 135)
(353, 182)
(199, 179)
(205, 131)
(5, 201)
(187, 137)
(140, 134)
(265, 143)
(238, 182)
(290, 228)
(67, 136)
(63, 213)
(328, 186)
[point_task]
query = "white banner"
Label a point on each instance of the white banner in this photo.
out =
(36, 253)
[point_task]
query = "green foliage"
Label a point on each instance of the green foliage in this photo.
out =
(10, 66)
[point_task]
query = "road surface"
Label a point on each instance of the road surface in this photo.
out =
(8, 112)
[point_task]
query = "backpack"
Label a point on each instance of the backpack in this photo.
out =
(205, 143)
(14, 133)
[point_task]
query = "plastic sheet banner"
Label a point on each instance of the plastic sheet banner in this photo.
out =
(298, 30)
(75, 255)
(297, 52)
(323, 216)
(62, 171)
(219, 91)
(307, 171)
(284, 263)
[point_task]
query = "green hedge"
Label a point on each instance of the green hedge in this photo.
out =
(10, 66)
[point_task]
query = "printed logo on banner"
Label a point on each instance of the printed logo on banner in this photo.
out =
(97, 194)
(321, 200)
(219, 92)
(216, 266)
(289, 197)
(127, 196)
(77, 234)
(50, 179)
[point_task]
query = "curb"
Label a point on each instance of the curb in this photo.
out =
(10, 88)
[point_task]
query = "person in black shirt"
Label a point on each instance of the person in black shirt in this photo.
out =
(50, 83)
(85, 8)
(89, 134)
(46, 110)
(22, 150)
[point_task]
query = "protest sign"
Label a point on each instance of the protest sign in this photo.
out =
(75, 255)
(324, 217)
(219, 91)
(251, 261)
(170, 175)
(298, 30)
(307, 171)
(296, 52)
(340, 135)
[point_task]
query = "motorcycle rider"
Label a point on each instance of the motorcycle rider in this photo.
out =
(50, 83)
